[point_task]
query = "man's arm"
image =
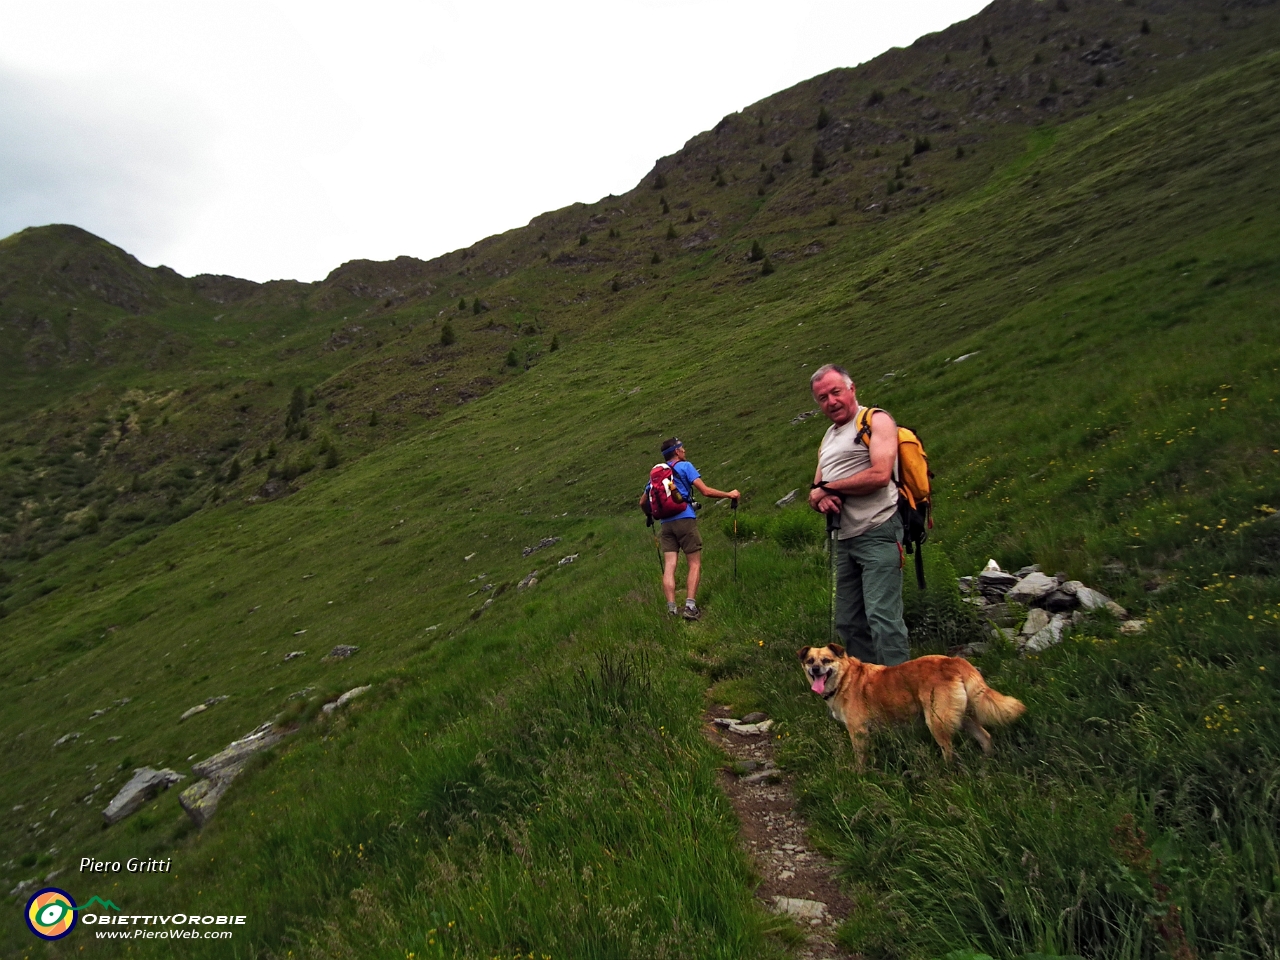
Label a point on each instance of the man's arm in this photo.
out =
(712, 492)
(884, 450)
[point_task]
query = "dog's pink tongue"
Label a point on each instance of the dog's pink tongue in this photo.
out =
(820, 685)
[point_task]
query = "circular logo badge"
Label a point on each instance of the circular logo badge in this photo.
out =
(51, 913)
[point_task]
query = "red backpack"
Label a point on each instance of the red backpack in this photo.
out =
(663, 499)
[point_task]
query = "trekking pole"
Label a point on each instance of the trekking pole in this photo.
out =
(735, 539)
(833, 527)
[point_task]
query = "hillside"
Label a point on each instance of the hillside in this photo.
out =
(201, 476)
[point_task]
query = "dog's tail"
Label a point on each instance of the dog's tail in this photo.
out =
(991, 707)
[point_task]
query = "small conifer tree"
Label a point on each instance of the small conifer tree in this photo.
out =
(666, 207)
(1146, 27)
(555, 342)
(766, 268)
(991, 60)
(819, 160)
(786, 155)
(615, 286)
(447, 336)
(671, 232)
(475, 306)
(656, 258)
(659, 182)
(959, 153)
(582, 239)
(986, 43)
(690, 218)
(233, 470)
(331, 458)
(271, 450)
(373, 418)
(764, 167)
(1100, 79)
(824, 118)
(513, 359)
(757, 252)
(876, 96)
(462, 304)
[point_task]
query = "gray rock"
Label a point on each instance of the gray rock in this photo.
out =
(188, 714)
(769, 773)
(342, 651)
(144, 785)
(22, 887)
(1048, 636)
(1031, 588)
(529, 581)
(801, 418)
(1131, 628)
(66, 738)
(565, 561)
(965, 584)
(799, 908)
(1117, 611)
(1033, 568)
(743, 729)
(228, 762)
(346, 698)
(743, 767)
(214, 701)
(755, 716)
(541, 545)
(200, 800)
(998, 613)
(294, 655)
(1037, 620)
(786, 501)
(994, 584)
(1091, 599)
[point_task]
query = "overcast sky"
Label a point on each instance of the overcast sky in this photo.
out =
(272, 139)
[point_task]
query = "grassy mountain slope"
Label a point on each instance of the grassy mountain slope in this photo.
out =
(529, 776)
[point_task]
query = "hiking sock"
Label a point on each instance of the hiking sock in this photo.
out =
(671, 606)
(689, 604)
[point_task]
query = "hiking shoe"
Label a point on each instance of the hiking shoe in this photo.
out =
(691, 613)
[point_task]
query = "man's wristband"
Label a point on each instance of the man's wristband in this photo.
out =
(819, 486)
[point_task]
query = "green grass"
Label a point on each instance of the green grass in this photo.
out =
(532, 773)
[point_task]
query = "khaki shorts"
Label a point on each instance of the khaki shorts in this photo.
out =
(681, 535)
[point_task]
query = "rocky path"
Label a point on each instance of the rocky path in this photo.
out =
(797, 880)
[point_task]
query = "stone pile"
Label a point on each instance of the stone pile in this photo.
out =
(1053, 605)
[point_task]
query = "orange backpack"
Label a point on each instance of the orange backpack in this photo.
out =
(912, 477)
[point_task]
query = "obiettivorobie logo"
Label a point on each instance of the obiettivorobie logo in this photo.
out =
(51, 913)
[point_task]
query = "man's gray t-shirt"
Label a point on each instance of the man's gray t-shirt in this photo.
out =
(842, 455)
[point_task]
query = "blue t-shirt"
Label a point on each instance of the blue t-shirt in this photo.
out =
(685, 473)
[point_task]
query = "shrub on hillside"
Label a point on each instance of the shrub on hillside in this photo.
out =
(462, 304)
(819, 161)
(615, 286)
(555, 342)
(876, 96)
(922, 144)
(671, 232)
(513, 359)
(991, 60)
(766, 268)
(583, 239)
(331, 458)
(824, 118)
(373, 418)
(233, 470)
(659, 182)
(786, 155)
(656, 258)
(447, 336)
(757, 251)
(666, 207)
(1146, 27)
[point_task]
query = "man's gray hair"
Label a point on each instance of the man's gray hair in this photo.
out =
(826, 368)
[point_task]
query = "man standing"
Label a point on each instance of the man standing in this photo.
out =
(855, 480)
(680, 532)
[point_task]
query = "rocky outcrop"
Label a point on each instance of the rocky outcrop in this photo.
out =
(200, 800)
(1054, 605)
(142, 786)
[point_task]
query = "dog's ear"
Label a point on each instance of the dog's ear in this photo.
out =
(836, 649)
(802, 652)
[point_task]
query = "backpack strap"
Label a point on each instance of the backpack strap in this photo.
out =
(864, 425)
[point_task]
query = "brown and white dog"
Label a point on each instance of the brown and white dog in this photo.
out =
(949, 691)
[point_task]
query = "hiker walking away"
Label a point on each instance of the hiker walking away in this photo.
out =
(854, 479)
(680, 529)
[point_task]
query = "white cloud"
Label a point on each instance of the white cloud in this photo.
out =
(280, 139)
